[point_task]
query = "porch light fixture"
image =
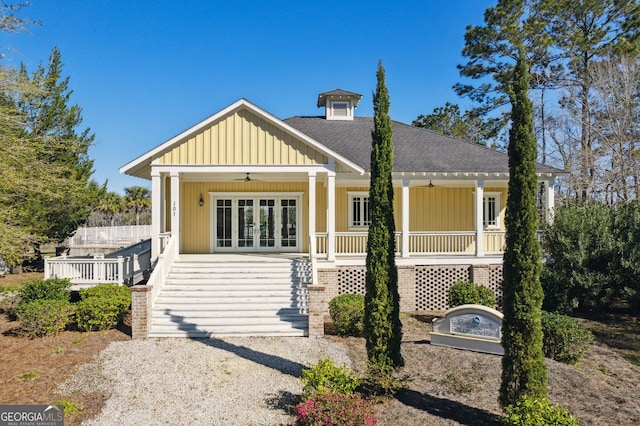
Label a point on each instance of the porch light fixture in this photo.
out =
(201, 201)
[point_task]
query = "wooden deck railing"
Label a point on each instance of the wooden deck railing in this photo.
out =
(88, 271)
(124, 266)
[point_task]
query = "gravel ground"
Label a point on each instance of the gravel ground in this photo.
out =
(206, 382)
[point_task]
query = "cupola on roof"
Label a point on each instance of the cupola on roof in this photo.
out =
(339, 104)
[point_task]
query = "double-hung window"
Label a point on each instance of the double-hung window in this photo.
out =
(359, 210)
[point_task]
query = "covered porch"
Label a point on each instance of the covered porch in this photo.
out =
(322, 213)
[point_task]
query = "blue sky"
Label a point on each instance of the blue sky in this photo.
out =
(144, 71)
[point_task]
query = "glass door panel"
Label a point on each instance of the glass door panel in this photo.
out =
(267, 223)
(223, 223)
(288, 215)
(245, 223)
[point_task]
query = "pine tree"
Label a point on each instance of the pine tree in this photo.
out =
(51, 124)
(523, 368)
(382, 326)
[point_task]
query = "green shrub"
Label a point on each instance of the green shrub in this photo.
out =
(118, 294)
(51, 289)
(331, 409)
(582, 250)
(102, 307)
(9, 303)
(43, 317)
(565, 339)
(347, 314)
(537, 412)
(326, 377)
(462, 293)
(380, 381)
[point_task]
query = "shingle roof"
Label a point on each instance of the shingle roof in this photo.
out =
(415, 149)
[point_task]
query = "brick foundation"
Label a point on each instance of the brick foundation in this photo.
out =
(480, 274)
(317, 307)
(407, 287)
(140, 311)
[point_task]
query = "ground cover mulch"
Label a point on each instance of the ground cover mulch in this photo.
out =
(32, 369)
(448, 386)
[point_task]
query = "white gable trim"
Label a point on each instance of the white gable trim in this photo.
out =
(240, 104)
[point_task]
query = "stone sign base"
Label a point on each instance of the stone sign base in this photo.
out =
(471, 327)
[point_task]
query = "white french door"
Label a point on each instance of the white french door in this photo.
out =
(255, 223)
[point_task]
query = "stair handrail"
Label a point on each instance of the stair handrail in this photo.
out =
(163, 267)
(312, 259)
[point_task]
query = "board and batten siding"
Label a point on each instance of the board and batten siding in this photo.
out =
(446, 209)
(242, 138)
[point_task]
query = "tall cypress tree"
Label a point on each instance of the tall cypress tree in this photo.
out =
(523, 368)
(382, 326)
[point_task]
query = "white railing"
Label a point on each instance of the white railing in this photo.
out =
(451, 243)
(123, 266)
(109, 235)
(163, 267)
(442, 243)
(88, 271)
(313, 261)
(494, 242)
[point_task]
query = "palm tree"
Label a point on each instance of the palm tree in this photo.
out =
(111, 204)
(137, 198)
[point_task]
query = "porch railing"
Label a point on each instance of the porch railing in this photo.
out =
(123, 266)
(450, 243)
(88, 271)
(163, 267)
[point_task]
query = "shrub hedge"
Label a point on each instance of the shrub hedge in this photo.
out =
(462, 293)
(326, 377)
(537, 412)
(43, 317)
(102, 307)
(39, 289)
(347, 314)
(565, 339)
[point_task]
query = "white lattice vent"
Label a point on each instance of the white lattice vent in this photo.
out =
(352, 280)
(433, 282)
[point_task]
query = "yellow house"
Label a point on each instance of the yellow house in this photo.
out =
(244, 185)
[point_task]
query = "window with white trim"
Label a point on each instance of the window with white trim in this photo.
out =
(340, 109)
(359, 210)
(491, 210)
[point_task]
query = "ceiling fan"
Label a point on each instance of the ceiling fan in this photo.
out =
(247, 178)
(430, 185)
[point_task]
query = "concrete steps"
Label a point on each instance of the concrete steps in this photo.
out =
(232, 296)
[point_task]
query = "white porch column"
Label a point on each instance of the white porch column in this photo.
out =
(156, 213)
(331, 216)
(175, 208)
(479, 218)
(163, 203)
(405, 218)
(550, 192)
(312, 210)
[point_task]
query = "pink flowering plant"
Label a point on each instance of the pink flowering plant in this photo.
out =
(330, 409)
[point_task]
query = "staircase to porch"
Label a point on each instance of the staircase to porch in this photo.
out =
(231, 295)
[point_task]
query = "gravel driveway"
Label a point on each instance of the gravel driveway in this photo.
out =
(230, 381)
